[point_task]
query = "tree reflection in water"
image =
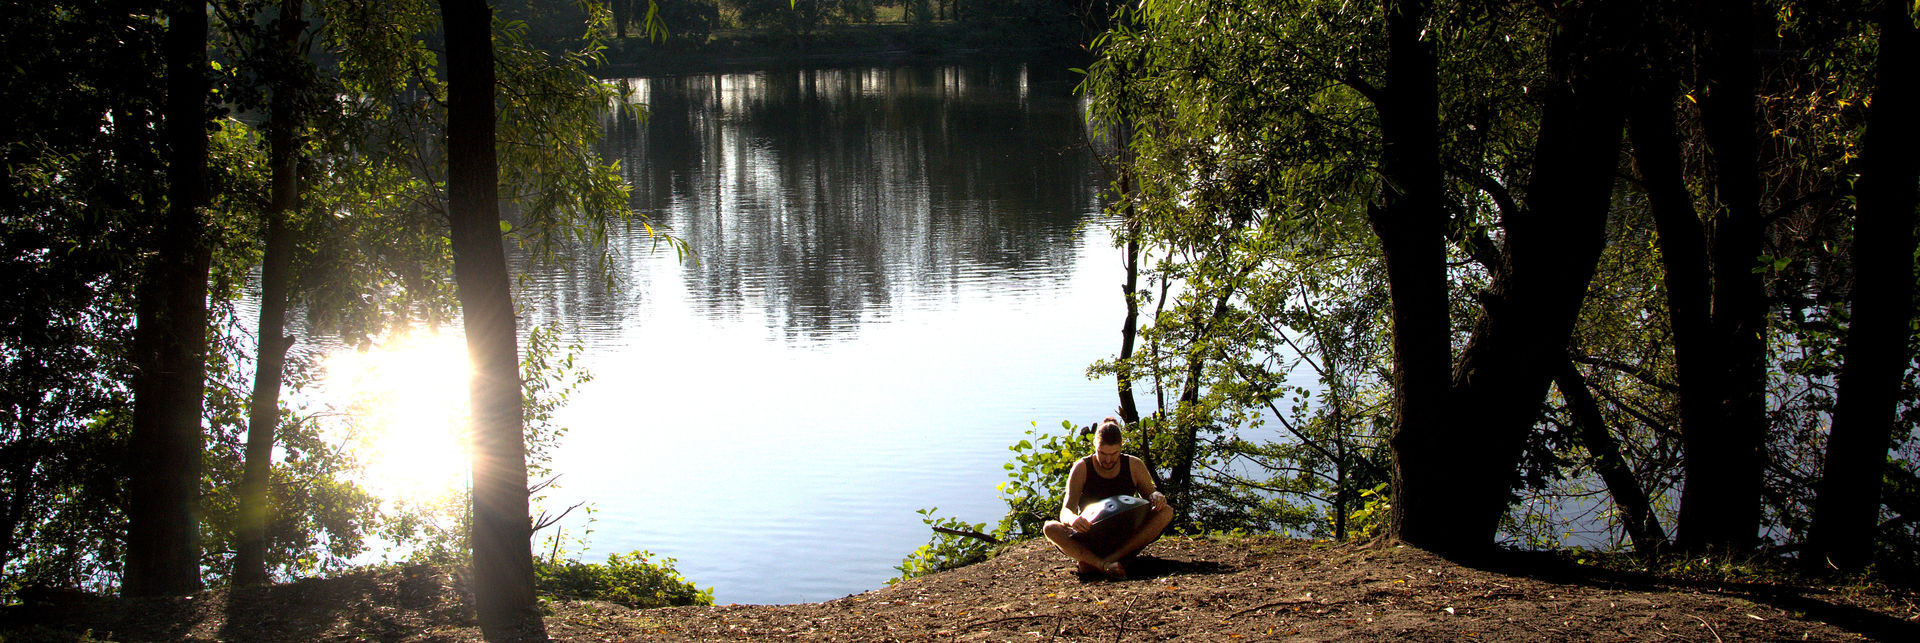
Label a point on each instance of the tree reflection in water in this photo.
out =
(816, 199)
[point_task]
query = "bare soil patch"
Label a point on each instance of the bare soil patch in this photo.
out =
(1213, 589)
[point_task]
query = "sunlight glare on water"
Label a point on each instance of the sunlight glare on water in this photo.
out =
(407, 401)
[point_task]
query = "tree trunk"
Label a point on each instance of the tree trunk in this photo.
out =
(1552, 246)
(1720, 502)
(1847, 510)
(170, 338)
(1410, 222)
(1683, 255)
(502, 553)
(1131, 227)
(1451, 486)
(1129, 327)
(1342, 499)
(1642, 525)
(263, 409)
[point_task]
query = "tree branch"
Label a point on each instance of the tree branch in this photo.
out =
(968, 533)
(1257, 608)
(1645, 375)
(1658, 427)
(545, 522)
(1502, 198)
(1475, 241)
(1366, 89)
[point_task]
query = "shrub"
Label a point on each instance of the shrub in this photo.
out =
(629, 579)
(948, 550)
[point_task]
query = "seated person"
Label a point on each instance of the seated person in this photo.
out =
(1106, 474)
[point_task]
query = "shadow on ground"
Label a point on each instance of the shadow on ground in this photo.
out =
(1148, 567)
(1815, 603)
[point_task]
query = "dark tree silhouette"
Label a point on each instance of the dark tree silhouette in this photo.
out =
(1847, 511)
(1409, 220)
(170, 342)
(502, 555)
(263, 411)
(1461, 428)
(1720, 504)
(1553, 240)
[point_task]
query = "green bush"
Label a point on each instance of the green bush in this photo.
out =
(947, 550)
(629, 579)
(1037, 478)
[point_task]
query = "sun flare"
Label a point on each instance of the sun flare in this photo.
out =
(407, 398)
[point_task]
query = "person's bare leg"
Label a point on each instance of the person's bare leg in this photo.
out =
(1061, 536)
(1150, 531)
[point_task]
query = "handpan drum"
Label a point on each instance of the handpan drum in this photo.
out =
(1118, 512)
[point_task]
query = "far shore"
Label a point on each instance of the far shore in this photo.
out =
(882, 44)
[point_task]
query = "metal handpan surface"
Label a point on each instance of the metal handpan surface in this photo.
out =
(1116, 512)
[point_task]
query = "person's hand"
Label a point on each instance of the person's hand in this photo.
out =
(1159, 500)
(1081, 524)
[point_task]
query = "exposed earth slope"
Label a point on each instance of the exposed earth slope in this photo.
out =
(1213, 589)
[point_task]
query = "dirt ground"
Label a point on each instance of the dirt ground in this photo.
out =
(1259, 588)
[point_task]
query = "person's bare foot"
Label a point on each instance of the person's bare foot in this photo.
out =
(1087, 569)
(1114, 570)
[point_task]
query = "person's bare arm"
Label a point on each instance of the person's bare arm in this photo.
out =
(1070, 506)
(1143, 481)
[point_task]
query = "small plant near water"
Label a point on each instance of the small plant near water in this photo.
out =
(634, 579)
(947, 549)
(1037, 478)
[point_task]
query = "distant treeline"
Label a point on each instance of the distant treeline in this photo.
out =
(640, 31)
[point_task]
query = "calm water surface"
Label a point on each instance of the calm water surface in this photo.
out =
(897, 271)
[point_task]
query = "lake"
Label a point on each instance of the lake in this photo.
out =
(897, 271)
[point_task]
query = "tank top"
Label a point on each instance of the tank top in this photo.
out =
(1098, 488)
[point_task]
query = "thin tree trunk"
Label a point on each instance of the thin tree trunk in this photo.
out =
(1642, 525)
(1130, 326)
(1720, 502)
(1130, 226)
(1682, 242)
(1847, 510)
(263, 410)
(502, 553)
(1341, 496)
(170, 343)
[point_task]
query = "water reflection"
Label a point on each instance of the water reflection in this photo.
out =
(816, 199)
(896, 276)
